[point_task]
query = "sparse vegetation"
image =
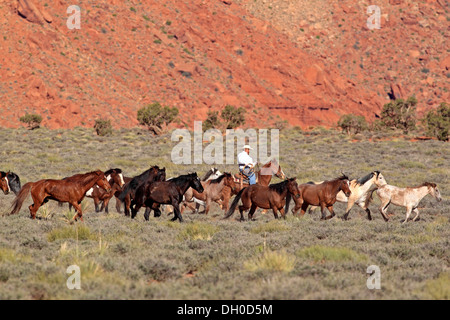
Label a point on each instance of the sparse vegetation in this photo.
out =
(233, 116)
(156, 117)
(399, 114)
(103, 127)
(33, 121)
(352, 124)
(437, 122)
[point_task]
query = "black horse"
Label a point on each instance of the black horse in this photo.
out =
(129, 190)
(165, 192)
(12, 182)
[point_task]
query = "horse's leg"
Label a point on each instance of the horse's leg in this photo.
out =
(127, 203)
(118, 206)
(322, 209)
(312, 209)
(383, 208)
(350, 204)
(177, 212)
(416, 211)
(408, 213)
(330, 208)
(208, 205)
(105, 205)
(304, 207)
(96, 202)
(148, 210)
(252, 211)
(77, 208)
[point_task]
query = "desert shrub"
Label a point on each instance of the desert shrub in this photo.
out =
(437, 122)
(274, 261)
(321, 253)
(198, 231)
(33, 121)
(103, 127)
(156, 117)
(352, 124)
(212, 120)
(399, 114)
(233, 116)
(71, 232)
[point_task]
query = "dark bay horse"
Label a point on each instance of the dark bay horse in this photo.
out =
(9, 182)
(323, 195)
(266, 197)
(71, 190)
(129, 190)
(264, 176)
(212, 191)
(153, 194)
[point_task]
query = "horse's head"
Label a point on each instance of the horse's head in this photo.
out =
(103, 183)
(433, 190)
(229, 180)
(293, 187)
(273, 168)
(161, 175)
(4, 185)
(114, 176)
(195, 182)
(379, 180)
(345, 185)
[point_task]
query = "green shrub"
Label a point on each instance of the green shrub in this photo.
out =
(233, 117)
(321, 254)
(156, 117)
(399, 114)
(33, 121)
(71, 232)
(437, 122)
(212, 120)
(272, 261)
(103, 127)
(352, 124)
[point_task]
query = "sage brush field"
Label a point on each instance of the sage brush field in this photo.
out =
(211, 258)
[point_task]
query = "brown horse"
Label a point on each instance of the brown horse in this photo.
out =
(323, 195)
(71, 190)
(212, 191)
(4, 185)
(266, 197)
(99, 195)
(264, 176)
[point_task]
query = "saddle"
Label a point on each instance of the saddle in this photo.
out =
(242, 178)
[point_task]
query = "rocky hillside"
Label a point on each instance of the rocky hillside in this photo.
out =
(276, 58)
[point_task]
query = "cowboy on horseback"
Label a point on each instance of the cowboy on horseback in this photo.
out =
(246, 164)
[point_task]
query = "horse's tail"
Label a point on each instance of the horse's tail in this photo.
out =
(234, 204)
(288, 200)
(20, 198)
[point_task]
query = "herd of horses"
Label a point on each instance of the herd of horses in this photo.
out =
(152, 190)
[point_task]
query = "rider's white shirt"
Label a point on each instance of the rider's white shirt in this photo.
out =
(244, 158)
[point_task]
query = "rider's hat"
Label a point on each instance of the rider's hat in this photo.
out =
(247, 147)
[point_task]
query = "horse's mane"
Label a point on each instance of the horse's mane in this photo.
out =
(2, 174)
(209, 173)
(343, 177)
(427, 184)
(366, 178)
(279, 187)
(180, 180)
(110, 171)
(219, 179)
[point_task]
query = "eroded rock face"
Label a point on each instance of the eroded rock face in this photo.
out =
(197, 56)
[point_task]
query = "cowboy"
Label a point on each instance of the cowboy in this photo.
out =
(246, 164)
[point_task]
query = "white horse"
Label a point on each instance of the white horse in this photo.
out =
(405, 197)
(361, 192)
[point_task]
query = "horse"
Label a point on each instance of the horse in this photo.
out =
(10, 182)
(71, 190)
(409, 197)
(211, 174)
(266, 197)
(263, 178)
(150, 175)
(361, 193)
(165, 192)
(212, 191)
(323, 195)
(99, 195)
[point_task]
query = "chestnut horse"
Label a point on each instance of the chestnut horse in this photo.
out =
(4, 185)
(323, 195)
(266, 197)
(153, 194)
(99, 195)
(71, 190)
(264, 176)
